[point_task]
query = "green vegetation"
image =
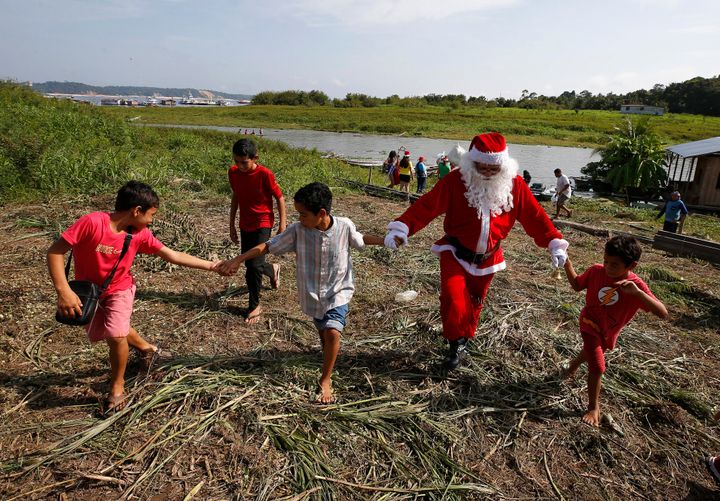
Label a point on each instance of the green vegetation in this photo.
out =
(633, 159)
(521, 126)
(698, 95)
(50, 148)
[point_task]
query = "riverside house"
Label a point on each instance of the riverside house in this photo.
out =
(694, 170)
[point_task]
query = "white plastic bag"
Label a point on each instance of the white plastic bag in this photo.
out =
(405, 297)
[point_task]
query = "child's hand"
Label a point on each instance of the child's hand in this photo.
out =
(215, 266)
(229, 267)
(69, 304)
(628, 287)
(233, 234)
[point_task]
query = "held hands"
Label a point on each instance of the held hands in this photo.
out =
(558, 252)
(69, 304)
(227, 268)
(397, 235)
(395, 239)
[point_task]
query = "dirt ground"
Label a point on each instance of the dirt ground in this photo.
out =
(231, 414)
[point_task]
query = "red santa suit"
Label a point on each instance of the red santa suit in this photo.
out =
(470, 251)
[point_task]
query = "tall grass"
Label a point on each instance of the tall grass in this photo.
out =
(589, 128)
(57, 147)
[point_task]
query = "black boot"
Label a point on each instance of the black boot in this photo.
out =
(455, 352)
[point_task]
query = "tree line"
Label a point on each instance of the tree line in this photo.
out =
(700, 96)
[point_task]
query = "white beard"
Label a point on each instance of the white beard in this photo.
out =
(492, 193)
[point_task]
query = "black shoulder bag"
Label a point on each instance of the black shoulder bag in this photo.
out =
(89, 292)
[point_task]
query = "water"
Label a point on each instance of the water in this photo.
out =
(541, 161)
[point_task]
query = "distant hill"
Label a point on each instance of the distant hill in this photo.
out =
(129, 90)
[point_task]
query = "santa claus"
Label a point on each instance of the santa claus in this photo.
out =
(481, 201)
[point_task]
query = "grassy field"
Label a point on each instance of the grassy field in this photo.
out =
(231, 414)
(549, 127)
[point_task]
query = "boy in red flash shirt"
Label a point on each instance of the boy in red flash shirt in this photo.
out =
(614, 295)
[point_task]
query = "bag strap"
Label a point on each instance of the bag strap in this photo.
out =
(126, 246)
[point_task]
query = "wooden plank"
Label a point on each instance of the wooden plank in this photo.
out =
(686, 238)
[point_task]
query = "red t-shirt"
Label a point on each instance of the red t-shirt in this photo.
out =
(96, 249)
(254, 191)
(607, 309)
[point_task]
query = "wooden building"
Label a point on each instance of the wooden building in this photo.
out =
(694, 170)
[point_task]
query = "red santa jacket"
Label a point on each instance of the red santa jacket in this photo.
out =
(478, 234)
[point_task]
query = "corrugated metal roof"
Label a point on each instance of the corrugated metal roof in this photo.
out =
(697, 148)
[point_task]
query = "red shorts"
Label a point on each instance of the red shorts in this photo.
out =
(112, 317)
(594, 348)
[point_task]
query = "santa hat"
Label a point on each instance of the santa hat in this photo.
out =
(407, 153)
(421, 159)
(489, 148)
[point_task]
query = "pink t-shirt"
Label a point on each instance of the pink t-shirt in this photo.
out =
(96, 249)
(606, 307)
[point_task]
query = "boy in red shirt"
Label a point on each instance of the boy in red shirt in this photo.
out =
(96, 240)
(614, 295)
(254, 188)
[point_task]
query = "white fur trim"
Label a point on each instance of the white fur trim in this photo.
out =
(398, 226)
(484, 231)
(497, 158)
(470, 268)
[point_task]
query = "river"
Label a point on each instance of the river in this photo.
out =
(541, 161)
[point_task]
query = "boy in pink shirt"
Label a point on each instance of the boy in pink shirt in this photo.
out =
(96, 241)
(614, 295)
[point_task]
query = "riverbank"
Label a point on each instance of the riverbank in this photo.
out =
(584, 128)
(231, 415)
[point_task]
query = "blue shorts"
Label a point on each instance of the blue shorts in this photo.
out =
(334, 319)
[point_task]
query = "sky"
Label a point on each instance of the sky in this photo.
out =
(491, 48)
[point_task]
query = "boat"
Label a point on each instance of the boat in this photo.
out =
(541, 192)
(582, 183)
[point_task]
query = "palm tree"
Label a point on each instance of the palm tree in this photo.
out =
(633, 158)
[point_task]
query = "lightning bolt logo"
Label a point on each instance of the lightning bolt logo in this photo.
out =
(608, 296)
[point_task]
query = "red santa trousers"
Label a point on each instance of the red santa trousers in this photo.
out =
(461, 298)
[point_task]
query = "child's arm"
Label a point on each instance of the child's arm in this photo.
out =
(373, 240)
(282, 214)
(233, 212)
(571, 275)
(183, 259)
(68, 303)
(653, 305)
(230, 267)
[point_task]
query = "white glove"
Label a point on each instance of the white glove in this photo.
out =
(396, 229)
(558, 251)
(390, 242)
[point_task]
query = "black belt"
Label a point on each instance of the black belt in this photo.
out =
(467, 255)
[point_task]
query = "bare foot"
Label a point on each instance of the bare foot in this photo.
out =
(253, 317)
(569, 372)
(147, 355)
(275, 280)
(114, 403)
(592, 417)
(325, 393)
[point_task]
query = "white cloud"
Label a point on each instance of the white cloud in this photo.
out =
(370, 12)
(339, 83)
